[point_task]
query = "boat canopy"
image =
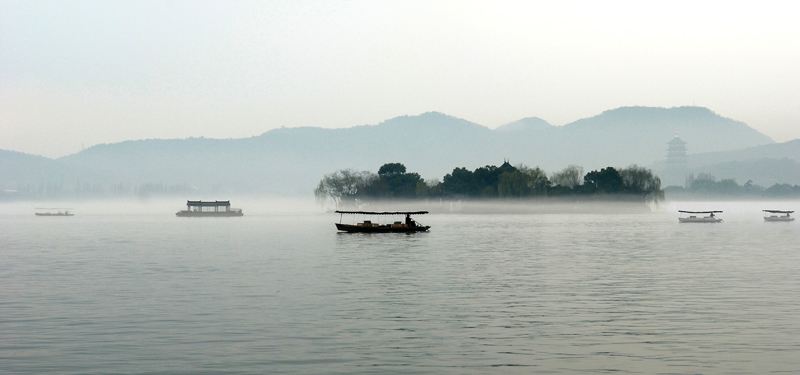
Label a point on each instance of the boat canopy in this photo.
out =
(778, 212)
(383, 213)
(208, 204)
(701, 212)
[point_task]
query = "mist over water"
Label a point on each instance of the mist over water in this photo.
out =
(127, 287)
(252, 206)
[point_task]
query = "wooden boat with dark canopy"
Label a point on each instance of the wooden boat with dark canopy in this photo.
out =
(770, 215)
(367, 226)
(692, 217)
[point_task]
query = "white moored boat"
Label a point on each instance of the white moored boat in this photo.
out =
(777, 215)
(699, 217)
(209, 209)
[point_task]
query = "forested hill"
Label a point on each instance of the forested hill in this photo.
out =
(645, 131)
(789, 150)
(289, 160)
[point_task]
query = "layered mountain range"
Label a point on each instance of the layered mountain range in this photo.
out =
(292, 160)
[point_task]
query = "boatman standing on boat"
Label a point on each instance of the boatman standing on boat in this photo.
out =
(410, 222)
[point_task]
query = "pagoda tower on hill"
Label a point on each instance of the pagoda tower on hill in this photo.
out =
(677, 164)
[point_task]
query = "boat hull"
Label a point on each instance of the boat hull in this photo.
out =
(380, 229)
(208, 214)
(699, 220)
(778, 218)
(46, 214)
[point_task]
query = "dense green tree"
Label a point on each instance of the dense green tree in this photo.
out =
(486, 179)
(459, 182)
(606, 181)
(391, 168)
(483, 182)
(402, 185)
(394, 182)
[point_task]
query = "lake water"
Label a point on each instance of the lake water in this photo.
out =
(103, 293)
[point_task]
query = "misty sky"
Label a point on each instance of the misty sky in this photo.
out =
(76, 73)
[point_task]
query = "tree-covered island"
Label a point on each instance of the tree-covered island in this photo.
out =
(393, 181)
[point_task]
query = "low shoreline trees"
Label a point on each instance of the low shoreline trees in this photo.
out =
(342, 185)
(705, 186)
(348, 186)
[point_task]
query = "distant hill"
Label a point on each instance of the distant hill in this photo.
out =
(765, 172)
(790, 149)
(528, 123)
(640, 134)
(292, 160)
(24, 168)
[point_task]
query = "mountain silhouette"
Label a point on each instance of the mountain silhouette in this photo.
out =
(292, 160)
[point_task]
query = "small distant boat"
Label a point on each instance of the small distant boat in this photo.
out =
(367, 226)
(59, 213)
(209, 209)
(777, 215)
(704, 217)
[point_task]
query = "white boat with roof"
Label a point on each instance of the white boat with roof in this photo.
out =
(778, 215)
(699, 217)
(209, 209)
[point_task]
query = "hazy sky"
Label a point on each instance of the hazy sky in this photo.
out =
(76, 73)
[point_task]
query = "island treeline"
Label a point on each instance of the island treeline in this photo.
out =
(393, 181)
(706, 185)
